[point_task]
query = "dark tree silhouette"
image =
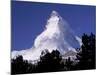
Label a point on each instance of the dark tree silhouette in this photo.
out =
(50, 62)
(69, 64)
(20, 66)
(87, 55)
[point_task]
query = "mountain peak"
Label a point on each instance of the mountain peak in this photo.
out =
(54, 13)
(57, 35)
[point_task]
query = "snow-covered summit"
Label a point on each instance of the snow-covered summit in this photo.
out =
(54, 13)
(57, 35)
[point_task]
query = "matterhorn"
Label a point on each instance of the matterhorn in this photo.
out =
(57, 35)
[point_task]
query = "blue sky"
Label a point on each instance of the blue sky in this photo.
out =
(29, 20)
